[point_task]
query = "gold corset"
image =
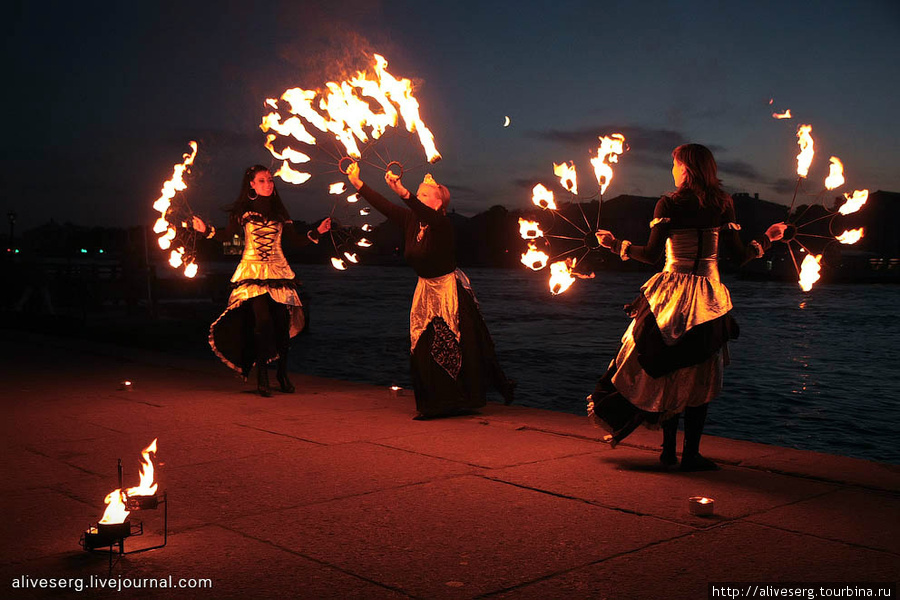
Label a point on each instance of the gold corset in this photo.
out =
(262, 241)
(693, 251)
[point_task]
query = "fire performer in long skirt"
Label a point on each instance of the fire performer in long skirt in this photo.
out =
(673, 354)
(452, 353)
(264, 310)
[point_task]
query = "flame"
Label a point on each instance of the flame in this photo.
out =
(561, 276)
(529, 230)
(805, 141)
(543, 197)
(364, 211)
(351, 256)
(115, 508)
(174, 185)
(835, 174)
(287, 154)
(809, 271)
(337, 188)
(292, 127)
(190, 271)
(290, 175)
(534, 259)
(353, 198)
(366, 227)
(851, 236)
(567, 177)
(175, 258)
(610, 149)
(272, 102)
(338, 264)
(146, 487)
(363, 243)
(352, 111)
(854, 202)
(785, 115)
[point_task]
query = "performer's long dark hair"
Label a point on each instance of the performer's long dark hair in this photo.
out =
(247, 195)
(701, 176)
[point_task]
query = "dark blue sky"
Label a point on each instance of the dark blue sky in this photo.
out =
(104, 98)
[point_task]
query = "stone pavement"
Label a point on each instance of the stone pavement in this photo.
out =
(334, 492)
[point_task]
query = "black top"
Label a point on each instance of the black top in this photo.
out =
(685, 212)
(262, 209)
(430, 247)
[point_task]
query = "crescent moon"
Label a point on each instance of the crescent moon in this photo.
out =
(506, 123)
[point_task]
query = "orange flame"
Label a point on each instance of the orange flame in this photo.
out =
(543, 197)
(529, 230)
(337, 188)
(363, 243)
(835, 174)
(809, 271)
(190, 271)
(115, 508)
(805, 141)
(338, 264)
(351, 256)
(561, 276)
(851, 236)
(534, 259)
(353, 198)
(287, 154)
(290, 175)
(175, 258)
(854, 202)
(146, 487)
(344, 111)
(567, 176)
(785, 115)
(608, 152)
(170, 188)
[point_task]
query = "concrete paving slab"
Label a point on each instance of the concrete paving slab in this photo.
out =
(354, 426)
(238, 567)
(631, 480)
(828, 467)
(457, 538)
(492, 447)
(680, 569)
(845, 515)
(42, 522)
(297, 475)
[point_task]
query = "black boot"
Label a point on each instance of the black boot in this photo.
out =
(262, 380)
(670, 429)
(691, 460)
(283, 382)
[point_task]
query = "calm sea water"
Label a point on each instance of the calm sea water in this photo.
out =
(815, 371)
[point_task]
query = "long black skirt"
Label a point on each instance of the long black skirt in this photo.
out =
(437, 392)
(612, 411)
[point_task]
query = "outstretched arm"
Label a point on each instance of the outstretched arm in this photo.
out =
(393, 212)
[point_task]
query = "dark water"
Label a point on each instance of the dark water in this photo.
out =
(814, 371)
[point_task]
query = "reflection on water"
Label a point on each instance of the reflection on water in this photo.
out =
(813, 371)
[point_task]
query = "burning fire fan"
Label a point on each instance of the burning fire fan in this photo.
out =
(174, 223)
(355, 120)
(561, 241)
(799, 236)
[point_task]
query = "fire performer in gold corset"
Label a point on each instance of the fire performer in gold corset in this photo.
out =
(452, 354)
(264, 310)
(672, 355)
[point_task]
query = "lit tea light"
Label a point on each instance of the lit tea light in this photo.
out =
(701, 506)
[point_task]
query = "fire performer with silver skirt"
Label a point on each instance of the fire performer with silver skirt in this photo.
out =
(264, 310)
(673, 354)
(452, 354)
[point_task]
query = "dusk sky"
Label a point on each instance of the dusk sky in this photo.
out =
(103, 98)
